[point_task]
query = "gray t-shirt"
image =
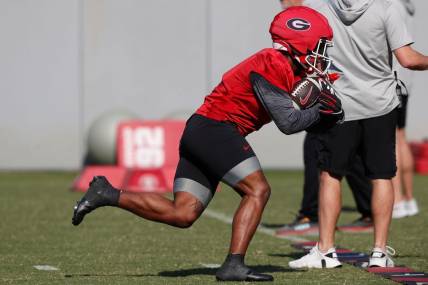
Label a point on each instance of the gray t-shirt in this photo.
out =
(365, 34)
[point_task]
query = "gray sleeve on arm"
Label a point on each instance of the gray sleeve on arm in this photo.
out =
(280, 107)
(398, 34)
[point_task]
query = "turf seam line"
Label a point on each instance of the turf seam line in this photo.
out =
(261, 229)
(46, 267)
(210, 265)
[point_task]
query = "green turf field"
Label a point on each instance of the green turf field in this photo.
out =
(115, 247)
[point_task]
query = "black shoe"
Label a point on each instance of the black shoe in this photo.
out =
(100, 193)
(361, 225)
(302, 225)
(234, 269)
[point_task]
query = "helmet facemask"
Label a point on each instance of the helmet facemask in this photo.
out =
(318, 59)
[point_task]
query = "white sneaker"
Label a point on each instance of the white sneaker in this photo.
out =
(380, 258)
(411, 207)
(316, 259)
(399, 211)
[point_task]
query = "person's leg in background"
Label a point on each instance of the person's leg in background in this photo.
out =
(378, 153)
(399, 210)
(309, 204)
(361, 188)
(323, 254)
(330, 203)
(406, 168)
(337, 151)
(374, 139)
(306, 222)
(382, 202)
(404, 205)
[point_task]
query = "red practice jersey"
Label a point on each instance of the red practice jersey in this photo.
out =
(233, 100)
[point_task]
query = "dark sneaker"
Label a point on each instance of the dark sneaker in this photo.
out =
(100, 193)
(234, 269)
(361, 225)
(301, 226)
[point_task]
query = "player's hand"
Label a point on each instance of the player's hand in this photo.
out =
(330, 104)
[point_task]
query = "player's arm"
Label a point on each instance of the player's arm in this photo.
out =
(400, 39)
(411, 59)
(280, 107)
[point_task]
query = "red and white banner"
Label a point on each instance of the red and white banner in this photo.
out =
(420, 153)
(149, 144)
(147, 156)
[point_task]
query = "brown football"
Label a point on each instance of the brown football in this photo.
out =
(305, 93)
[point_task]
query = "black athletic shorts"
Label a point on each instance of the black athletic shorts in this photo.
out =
(402, 112)
(210, 152)
(373, 139)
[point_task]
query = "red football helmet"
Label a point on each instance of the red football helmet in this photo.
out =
(305, 35)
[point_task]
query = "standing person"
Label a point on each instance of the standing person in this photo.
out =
(367, 32)
(213, 147)
(404, 205)
(306, 221)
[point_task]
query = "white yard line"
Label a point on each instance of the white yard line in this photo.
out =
(210, 265)
(46, 268)
(261, 229)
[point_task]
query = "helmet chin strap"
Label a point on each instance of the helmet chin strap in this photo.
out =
(298, 65)
(295, 59)
(301, 67)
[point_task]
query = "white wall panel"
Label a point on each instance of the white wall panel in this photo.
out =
(145, 56)
(65, 62)
(39, 84)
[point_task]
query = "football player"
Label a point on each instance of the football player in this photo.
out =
(213, 147)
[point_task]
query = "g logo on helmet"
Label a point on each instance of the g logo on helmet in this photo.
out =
(298, 24)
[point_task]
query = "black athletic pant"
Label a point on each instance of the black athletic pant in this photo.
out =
(358, 182)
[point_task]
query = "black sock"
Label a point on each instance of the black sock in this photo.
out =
(233, 268)
(114, 195)
(235, 258)
(101, 188)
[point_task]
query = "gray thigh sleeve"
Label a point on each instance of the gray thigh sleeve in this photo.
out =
(242, 170)
(202, 193)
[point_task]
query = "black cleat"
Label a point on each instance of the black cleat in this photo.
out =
(234, 269)
(100, 193)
